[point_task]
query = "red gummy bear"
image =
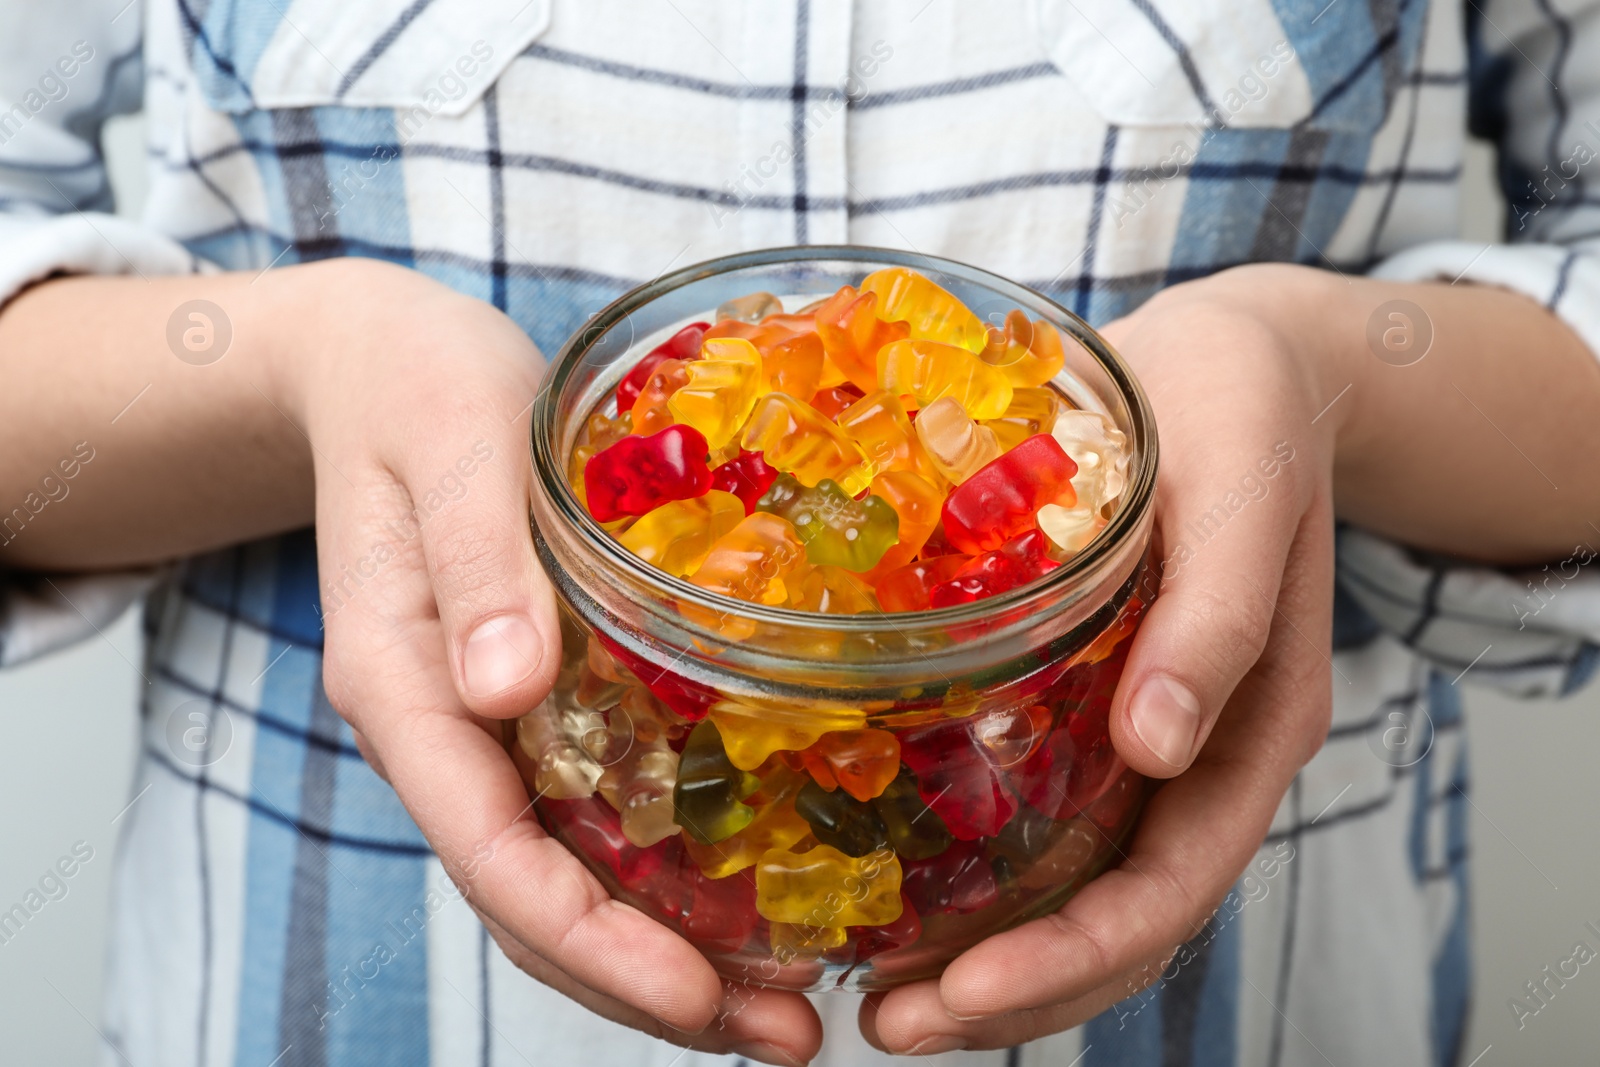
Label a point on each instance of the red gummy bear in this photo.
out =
(1003, 499)
(907, 588)
(655, 875)
(1077, 763)
(1017, 562)
(723, 915)
(639, 474)
(684, 345)
(955, 882)
(687, 698)
(959, 778)
(746, 476)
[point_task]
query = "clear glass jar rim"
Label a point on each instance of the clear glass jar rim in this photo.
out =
(549, 468)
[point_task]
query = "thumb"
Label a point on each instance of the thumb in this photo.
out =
(1207, 628)
(494, 601)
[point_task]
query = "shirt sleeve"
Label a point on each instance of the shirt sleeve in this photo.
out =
(1534, 91)
(64, 70)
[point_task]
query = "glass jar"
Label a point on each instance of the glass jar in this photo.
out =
(991, 718)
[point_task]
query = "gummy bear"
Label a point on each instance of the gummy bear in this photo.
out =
(1032, 411)
(915, 831)
(873, 940)
(601, 432)
(750, 734)
(794, 438)
(752, 307)
(878, 425)
(746, 476)
(721, 389)
(707, 795)
(852, 332)
(862, 762)
(685, 697)
(755, 561)
(929, 371)
(957, 446)
(639, 474)
(917, 501)
(824, 887)
(776, 825)
(958, 881)
(677, 535)
(563, 769)
(650, 412)
(834, 591)
(1028, 353)
(836, 530)
(910, 588)
(801, 941)
(722, 916)
(683, 345)
(1077, 762)
(1003, 498)
(1100, 450)
(957, 778)
(834, 399)
(639, 784)
(1017, 562)
(930, 311)
(838, 819)
(794, 364)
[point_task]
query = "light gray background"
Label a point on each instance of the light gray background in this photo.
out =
(67, 741)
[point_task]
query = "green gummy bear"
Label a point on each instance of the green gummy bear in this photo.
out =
(837, 530)
(705, 799)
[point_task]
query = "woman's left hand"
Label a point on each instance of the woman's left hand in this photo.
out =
(1227, 690)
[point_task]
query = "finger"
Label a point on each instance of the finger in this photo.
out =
(1211, 621)
(386, 670)
(913, 1020)
(471, 502)
(1198, 831)
(767, 1025)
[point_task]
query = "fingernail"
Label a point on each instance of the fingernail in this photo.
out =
(932, 1046)
(1166, 717)
(763, 1052)
(501, 652)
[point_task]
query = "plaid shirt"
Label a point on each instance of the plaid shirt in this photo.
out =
(274, 903)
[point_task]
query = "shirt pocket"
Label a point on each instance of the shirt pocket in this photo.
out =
(1238, 64)
(439, 55)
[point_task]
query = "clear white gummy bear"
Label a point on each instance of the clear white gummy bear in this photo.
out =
(563, 770)
(1101, 452)
(751, 308)
(639, 787)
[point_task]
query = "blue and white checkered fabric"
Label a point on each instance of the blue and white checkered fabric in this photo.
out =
(277, 906)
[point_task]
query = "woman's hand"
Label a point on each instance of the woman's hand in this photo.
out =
(1227, 690)
(440, 627)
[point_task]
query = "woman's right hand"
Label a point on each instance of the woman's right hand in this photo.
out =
(441, 627)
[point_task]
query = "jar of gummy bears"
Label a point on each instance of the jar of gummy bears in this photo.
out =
(849, 545)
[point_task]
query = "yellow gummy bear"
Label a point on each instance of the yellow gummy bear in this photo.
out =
(1032, 411)
(928, 371)
(721, 390)
(776, 826)
(824, 887)
(930, 311)
(798, 439)
(792, 941)
(750, 734)
(677, 535)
